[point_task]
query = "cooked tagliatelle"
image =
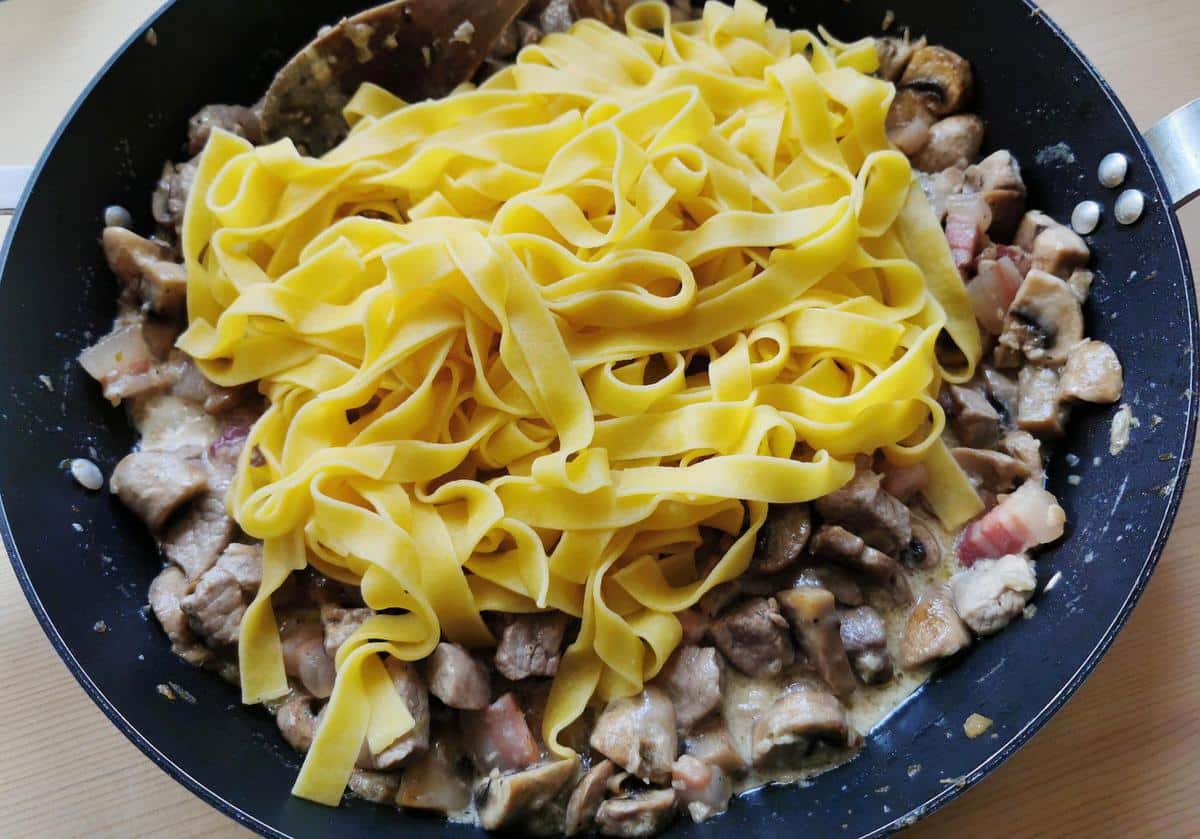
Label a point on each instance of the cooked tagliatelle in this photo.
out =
(521, 344)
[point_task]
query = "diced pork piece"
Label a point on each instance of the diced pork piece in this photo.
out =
(506, 800)
(908, 122)
(458, 678)
(838, 545)
(754, 638)
(1080, 282)
(953, 142)
(694, 678)
(216, 606)
(433, 781)
(377, 787)
(976, 422)
(864, 636)
(498, 737)
(1023, 446)
(1092, 374)
(587, 796)
(894, 55)
(992, 291)
(845, 588)
(703, 789)
(863, 507)
(694, 624)
(998, 179)
(154, 484)
(297, 722)
(304, 655)
(1059, 251)
(339, 624)
(244, 122)
(939, 187)
(411, 688)
(244, 563)
(167, 590)
(716, 599)
(1003, 391)
(1029, 517)
(964, 234)
(992, 470)
(171, 195)
(782, 538)
(795, 723)
(531, 645)
(146, 268)
(1045, 320)
(943, 77)
(933, 630)
(638, 733)
(1032, 225)
(812, 612)
(645, 813)
(712, 743)
(992, 592)
(217, 400)
(197, 538)
(904, 482)
(1040, 409)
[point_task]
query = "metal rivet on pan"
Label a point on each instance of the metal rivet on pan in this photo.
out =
(117, 216)
(1085, 217)
(1130, 205)
(1113, 169)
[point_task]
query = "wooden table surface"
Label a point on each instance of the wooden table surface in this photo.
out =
(1123, 757)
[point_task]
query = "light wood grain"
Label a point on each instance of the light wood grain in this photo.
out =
(1119, 760)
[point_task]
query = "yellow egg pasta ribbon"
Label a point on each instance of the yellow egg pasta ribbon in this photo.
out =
(524, 346)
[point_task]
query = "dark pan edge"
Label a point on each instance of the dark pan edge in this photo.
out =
(921, 811)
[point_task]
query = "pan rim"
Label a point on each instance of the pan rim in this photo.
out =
(916, 813)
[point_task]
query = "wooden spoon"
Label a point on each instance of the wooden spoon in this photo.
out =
(417, 49)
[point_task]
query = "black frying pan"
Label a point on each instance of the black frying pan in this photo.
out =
(56, 296)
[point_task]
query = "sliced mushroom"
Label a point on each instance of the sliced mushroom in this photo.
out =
(894, 55)
(933, 630)
(812, 612)
(943, 77)
(587, 796)
(1045, 320)
(1093, 374)
(924, 550)
(998, 178)
(992, 470)
(644, 813)
(782, 538)
(1055, 248)
(297, 722)
(953, 141)
(712, 743)
(638, 733)
(1002, 389)
(795, 722)
(506, 800)
(1040, 410)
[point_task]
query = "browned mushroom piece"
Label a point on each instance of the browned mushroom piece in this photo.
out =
(798, 720)
(1041, 410)
(894, 55)
(1002, 389)
(812, 612)
(1093, 374)
(953, 142)
(998, 178)
(712, 743)
(933, 630)
(1055, 248)
(991, 470)
(1080, 282)
(943, 77)
(587, 796)
(638, 733)
(644, 813)
(908, 122)
(1045, 320)
(505, 800)
(417, 49)
(376, 787)
(782, 538)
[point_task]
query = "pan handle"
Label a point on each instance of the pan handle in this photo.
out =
(12, 184)
(1175, 143)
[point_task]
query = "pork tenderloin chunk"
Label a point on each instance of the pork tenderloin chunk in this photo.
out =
(863, 507)
(507, 800)
(304, 656)
(498, 737)
(154, 484)
(753, 637)
(645, 813)
(694, 679)
(458, 679)
(712, 742)
(167, 591)
(953, 142)
(215, 607)
(531, 645)
(196, 539)
(864, 636)
(376, 787)
(989, 594)
(297, 722)
(339, 624)
(638, 733)
(796, 721)
(147, 269)
(933, 630)
(703, 789)
(992, 470)
(1092, 374)
(411, 688)
(975, 421)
